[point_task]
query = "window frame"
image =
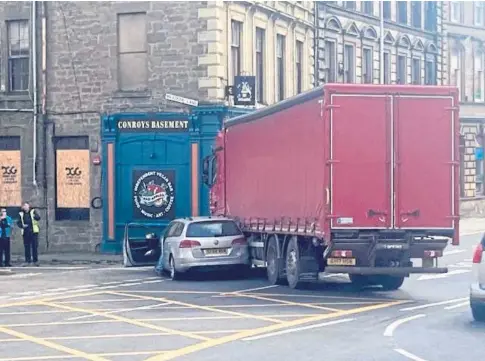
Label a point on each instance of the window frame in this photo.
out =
(480, 78)
(260, 73)
(387, 66)
(398, 78)
(12, 59)
(416, 79)
(280, 67)
(349, 66)
(331, 63)
(299, 66)
(456, 13)
(398, 12)
(368, 66)
(235, 47)
(120, 53)
(367, 7)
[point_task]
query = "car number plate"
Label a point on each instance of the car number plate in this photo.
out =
(341, 261)
(215, 251)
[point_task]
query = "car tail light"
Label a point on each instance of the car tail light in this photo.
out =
(342, 254)
(240, 242)
(189, 244)
(477, 255)
(432, 254)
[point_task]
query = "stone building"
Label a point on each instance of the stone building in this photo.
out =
(465, 34)
(349, 42)
(97, 58)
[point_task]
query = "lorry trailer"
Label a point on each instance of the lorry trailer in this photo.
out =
(345, 178)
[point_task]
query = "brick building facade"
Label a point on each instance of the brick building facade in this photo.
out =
(465, 34)
(95, 58)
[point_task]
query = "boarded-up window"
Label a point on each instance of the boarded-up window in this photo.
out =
(132, 52)
(10, 174)
(72, 178)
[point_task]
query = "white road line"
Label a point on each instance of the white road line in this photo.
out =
(111, 283)
(84, 286)
(51, 268)
(31, 313)
(434, 304)
(153, 281)
(458, 305)
(130, 284)
(100, 301)
(135, 280)
(442, 275)
(291, 330)
(24, 275)
(389, 331)
(119, 311)
(453, 251)
(248, 290)
(409, 355)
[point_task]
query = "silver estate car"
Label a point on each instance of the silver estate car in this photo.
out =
(477, 289)
(203, 242)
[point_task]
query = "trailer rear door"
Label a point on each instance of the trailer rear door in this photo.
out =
(360, 164)
(424, 156)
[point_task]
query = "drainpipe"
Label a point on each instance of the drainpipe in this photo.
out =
(315, 46)
(44, 114)
(34, 88)
(381, 41)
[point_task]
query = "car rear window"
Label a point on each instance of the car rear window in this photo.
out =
(213, 229)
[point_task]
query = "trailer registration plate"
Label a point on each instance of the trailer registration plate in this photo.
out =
(341, 261)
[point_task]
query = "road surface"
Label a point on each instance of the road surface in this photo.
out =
(114, 313)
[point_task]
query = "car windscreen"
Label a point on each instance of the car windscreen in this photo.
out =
(213, 229)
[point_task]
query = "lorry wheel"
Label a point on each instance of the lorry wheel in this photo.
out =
(390, 283)
(273, 270)
(293, 264)
(360, 281)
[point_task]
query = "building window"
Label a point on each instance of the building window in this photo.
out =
(479, 13)
(73, 179)
(387, 68)
(18, 55)
(280, 66)
(368, 7)
(478, 94)
(455, 11)
(350, 5)
(132, 52)
(430, 15)
(331, 61)
(402, 12)
(260, 46)
(401, 69)
(367, 66)
(416, 14)
(236, 30)
(386, 9)
(457, 80)
(430, 72)
(349, 64)
(416, 71)
(299, 66)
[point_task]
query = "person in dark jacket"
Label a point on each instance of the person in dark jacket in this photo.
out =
(29, 224)
(5, 232)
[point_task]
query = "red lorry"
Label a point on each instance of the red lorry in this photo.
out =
(346, 178)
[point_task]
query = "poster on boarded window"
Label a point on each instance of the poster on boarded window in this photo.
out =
(10, 178)
(73, 186)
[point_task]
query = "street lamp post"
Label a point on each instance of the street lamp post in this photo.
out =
(381, 49)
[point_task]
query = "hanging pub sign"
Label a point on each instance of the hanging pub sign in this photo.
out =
(153, 194)
(10, 178)
(244, 90)
(132, 125)
(73, 178)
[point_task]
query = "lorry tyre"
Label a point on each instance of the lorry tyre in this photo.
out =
(390, 283)
(293, 264)
(360, 281)
(273, 268)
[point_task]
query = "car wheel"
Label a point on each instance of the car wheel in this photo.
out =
(273, 271)
(174, 275)
(390, 283)
(293, 265)
(478, 312)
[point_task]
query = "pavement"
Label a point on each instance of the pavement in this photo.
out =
(107, 312)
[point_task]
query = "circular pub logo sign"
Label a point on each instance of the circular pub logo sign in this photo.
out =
(153, 194)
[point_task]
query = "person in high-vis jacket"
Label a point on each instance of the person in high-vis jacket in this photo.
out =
(29, 224)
